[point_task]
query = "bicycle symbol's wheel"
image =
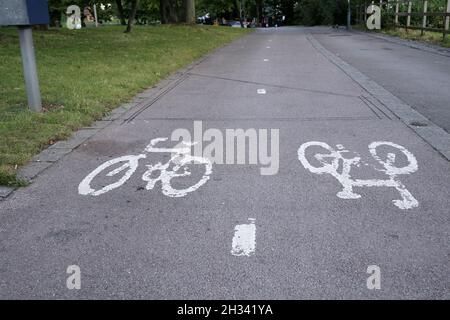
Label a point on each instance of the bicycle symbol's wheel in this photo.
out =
(325, 168)
(130, 165)
(167, 176)
(390, 158)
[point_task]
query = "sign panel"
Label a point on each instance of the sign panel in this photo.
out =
(23, 12)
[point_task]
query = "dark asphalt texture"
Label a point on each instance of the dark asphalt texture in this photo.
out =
(133, 243)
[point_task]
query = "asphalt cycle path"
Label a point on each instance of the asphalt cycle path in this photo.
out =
(417, 75)
(339, 186)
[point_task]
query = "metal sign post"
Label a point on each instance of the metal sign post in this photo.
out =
(24, 14)
(29, 69)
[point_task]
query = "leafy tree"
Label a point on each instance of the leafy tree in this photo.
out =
(307, 12)
(120, 12)
(57, 9)
(320, 12)
(170, 11)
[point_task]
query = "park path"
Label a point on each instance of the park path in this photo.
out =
(416, 73)
(302, 239)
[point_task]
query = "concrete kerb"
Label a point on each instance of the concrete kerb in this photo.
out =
(5, 192)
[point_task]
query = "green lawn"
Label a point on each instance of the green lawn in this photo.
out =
(84, 74)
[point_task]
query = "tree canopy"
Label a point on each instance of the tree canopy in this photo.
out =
(306, 12)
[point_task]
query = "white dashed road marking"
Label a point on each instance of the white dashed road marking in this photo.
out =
(244, 240)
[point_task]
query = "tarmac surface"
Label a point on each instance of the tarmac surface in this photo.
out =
(303, 240)
(418, 77)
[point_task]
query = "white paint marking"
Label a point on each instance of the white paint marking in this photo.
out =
(261, 91)
(268, 47)
(265, 60)
(331, 163)
(166, 175)
(244, 240)
(176, 167)
(130, 164)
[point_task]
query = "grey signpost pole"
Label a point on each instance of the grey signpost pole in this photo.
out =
(24, 14)
(29, 68)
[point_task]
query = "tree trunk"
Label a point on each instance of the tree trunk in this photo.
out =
(162, 11)
(190, 11)
(55, 13)
(258, 13)
(173, 13)
(287, 8)
(120, 12)
(85, 3)
(238, 5)
(169, 11)
(134, 6)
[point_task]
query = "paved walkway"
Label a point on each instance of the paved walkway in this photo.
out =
(295, 234)
(419, 77)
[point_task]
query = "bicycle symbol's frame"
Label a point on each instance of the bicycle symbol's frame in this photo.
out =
(407, 200)
(181, 157)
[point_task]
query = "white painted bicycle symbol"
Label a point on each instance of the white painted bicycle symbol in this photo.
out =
(176, 167)
(407, 200)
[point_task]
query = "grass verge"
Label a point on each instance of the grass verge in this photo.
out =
(83, 74)
(427, 37)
